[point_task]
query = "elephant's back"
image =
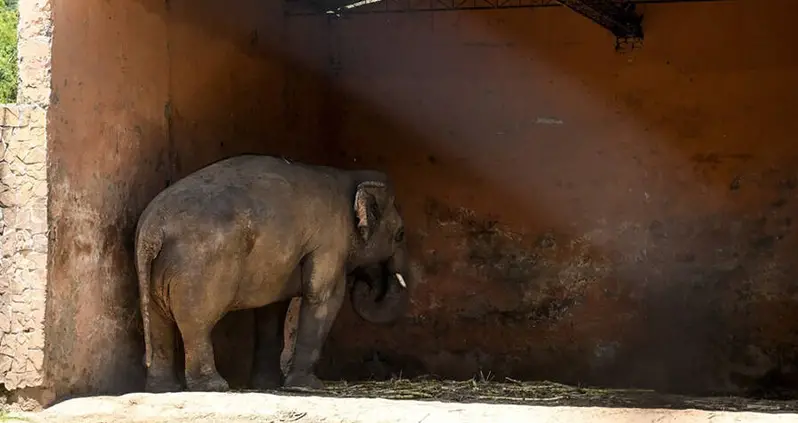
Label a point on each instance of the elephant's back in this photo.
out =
(228, 183)
(246, 190)
(257, 174)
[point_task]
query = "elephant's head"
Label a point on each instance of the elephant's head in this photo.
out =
(380, 271)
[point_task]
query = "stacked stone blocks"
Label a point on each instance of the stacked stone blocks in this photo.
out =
(23, 244)
(23, 204)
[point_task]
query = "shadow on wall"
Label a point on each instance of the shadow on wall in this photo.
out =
(488, 294)
(326, 129)
(644, 243)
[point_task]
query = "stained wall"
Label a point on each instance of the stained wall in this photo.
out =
(581, 215)
(145, 92)
(576, 214)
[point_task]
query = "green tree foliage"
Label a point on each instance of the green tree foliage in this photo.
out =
(9, 17)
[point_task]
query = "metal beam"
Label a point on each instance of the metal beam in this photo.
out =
(354, 7)
(617, 16)
(333, 7)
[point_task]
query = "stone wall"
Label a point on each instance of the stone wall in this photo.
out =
(23, 205)
(35, 52)
(23, 242)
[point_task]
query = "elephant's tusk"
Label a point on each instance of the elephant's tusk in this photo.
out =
(401, 280)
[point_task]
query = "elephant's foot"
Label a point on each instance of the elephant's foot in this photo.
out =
(303, 382)
(207, 383)
(265, 381)
(157, 385)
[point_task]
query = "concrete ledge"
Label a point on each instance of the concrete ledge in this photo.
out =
(248, 407)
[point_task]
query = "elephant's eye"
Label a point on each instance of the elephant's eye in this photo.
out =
(400, 235)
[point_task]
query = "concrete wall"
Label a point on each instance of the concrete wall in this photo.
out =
(164, 88)
(108, 152)
(581, 215)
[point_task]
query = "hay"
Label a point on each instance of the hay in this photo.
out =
(539, 393)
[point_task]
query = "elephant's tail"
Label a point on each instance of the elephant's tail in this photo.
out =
(147, 248)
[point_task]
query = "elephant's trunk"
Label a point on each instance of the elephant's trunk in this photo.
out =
(380, 292)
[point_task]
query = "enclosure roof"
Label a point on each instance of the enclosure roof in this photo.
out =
(617, 16)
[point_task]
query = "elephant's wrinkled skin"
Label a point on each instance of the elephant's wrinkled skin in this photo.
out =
(253, 232)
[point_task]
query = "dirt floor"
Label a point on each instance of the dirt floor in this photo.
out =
(415, 401)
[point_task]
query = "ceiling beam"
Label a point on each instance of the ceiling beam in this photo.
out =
(617, 16)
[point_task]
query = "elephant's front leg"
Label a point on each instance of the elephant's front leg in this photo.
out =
(269, 342)
(325, 289)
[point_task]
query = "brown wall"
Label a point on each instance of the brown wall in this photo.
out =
(582, 215)
(108, 136)
(579, 215)
(143, 95)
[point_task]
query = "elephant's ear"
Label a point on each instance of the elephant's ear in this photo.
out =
(368, 199)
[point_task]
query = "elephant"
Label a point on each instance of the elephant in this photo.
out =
(252, 232)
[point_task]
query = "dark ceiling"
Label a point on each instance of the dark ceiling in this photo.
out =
(618, 16)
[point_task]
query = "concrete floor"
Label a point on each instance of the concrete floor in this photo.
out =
(261, 407)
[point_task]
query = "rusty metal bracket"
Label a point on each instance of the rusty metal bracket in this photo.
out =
(617, 16)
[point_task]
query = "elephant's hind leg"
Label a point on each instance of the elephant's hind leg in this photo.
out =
(200, 298)
(201, 373)
(161, 376)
